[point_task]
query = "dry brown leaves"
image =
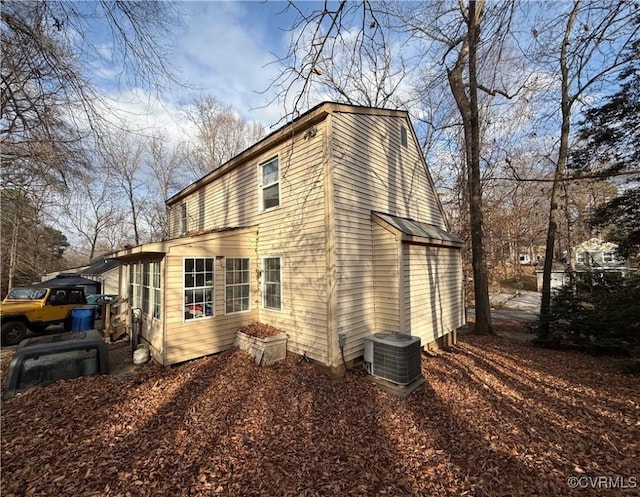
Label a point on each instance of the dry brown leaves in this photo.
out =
(260, 330)
(495, 417)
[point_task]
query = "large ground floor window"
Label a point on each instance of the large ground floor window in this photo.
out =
(198, 287)
(135, 279)
(272, 283)
(237, 285)
(155, 281)
(144, 287)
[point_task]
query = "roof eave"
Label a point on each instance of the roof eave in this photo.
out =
(420, 240)
(305, 121)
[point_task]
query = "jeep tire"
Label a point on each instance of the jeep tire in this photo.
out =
(13, 332)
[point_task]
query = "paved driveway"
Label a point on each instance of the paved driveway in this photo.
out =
(523, 306)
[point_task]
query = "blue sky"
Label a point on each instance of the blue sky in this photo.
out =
(227, 49)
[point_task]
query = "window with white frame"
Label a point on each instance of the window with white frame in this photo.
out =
(135, 278)
(183, 218)
(146, 291)
(155, 281)
(272, 283)
(608, 257)
(237, 285)
(198, 287)
(144, 287)
(581, 257)
(270, 184)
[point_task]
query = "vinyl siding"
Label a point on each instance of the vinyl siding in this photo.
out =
(339, 269)
(432, 279)
(295, 231)
(152, 329)
(188, 339)
(110, 282)
(386, 280)
(372, 171)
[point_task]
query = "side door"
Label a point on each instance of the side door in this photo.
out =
(75, 297)
(57, 306)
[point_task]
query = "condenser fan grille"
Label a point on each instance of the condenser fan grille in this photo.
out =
(394, 357)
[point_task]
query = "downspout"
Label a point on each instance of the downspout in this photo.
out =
(401, 290)
(163, 309)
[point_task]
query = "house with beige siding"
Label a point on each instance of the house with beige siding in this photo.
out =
(330, 225)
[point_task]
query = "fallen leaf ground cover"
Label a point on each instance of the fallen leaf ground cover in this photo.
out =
(495, 417)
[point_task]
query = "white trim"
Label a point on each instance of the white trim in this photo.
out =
(153, 289)
(263, 284)
(213, 287)
(184, 218)
(149, 310)
(135, 284)
(225, 286)
(261, 186)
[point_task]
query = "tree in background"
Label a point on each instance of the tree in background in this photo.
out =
(48, 63)
(52, 115)
(220, 134)
(586, 45)
(124, 156)
(92, 209)
(610, 135)
(446, 38)
(168, 167)
(28, 246)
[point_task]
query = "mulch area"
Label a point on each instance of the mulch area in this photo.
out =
(495, 417)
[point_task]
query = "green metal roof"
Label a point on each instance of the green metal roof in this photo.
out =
(418, 229)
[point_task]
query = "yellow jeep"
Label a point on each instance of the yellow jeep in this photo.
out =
(36, 308)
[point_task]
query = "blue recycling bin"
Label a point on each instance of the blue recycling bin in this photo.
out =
(83, 318)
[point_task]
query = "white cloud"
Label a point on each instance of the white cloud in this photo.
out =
(139, 112)
(227, 49)
(224, 49)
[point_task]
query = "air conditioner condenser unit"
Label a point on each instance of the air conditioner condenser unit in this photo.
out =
(395, 357)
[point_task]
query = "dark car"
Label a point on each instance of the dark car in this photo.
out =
(98, 301)
(47, 359)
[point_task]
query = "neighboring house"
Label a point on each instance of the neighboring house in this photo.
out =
(106, 272)
(524, 258)
(596, 254)
(560, 275)
(592, 256)
(330, 225)
(102, 269)
(531, 255)
(69, 279)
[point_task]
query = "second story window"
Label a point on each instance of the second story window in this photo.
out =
(269, 184)
(608, 257)
(183, 219)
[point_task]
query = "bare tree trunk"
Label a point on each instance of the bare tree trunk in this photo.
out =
(561, 164)
(14, 251)
(134, 214)
(468, 106)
